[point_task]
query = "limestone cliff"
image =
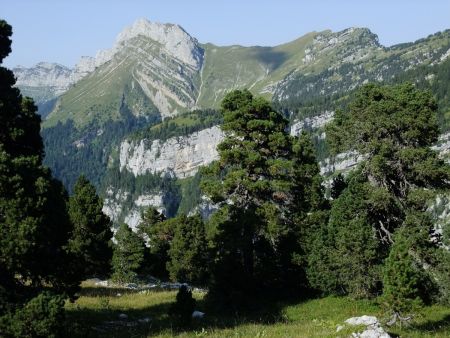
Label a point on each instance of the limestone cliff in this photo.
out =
(182, 156)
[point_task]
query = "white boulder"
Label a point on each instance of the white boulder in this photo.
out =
(198, 314)
(373, 327)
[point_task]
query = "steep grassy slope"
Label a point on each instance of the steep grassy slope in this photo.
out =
(256, 68)
(362, 60)
(141, 75)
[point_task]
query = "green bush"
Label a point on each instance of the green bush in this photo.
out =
(42, 316)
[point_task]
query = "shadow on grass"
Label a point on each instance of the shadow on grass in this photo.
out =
(435, 326)
(105, 322)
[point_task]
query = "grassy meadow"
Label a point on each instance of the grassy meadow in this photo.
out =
(96, 314)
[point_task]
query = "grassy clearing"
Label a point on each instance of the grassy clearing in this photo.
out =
(96, 312)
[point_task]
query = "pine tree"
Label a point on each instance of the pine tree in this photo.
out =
(150, 218)
(345, 257)
(158, 233)
(402, 280)
(91, 237)
(188, 252)
(254, 238)
(34, 223)
(394, 127)
(128, 255)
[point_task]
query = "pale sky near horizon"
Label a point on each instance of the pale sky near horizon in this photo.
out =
(62, 30)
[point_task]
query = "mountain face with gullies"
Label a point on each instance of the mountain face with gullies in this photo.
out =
(141, 118)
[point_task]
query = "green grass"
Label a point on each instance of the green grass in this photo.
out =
(312, 318)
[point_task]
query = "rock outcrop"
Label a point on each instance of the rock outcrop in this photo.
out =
(44, 81)
(182, 156)
(373, 327)
(113, 206)
(175, 40)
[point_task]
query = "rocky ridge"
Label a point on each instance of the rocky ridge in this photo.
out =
(44, 81)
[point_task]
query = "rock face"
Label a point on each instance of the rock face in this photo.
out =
(113, 203)
(85, 66)
(115, 200)
(46, 81)
(182, 156)
(43, 81)
(310, 123)
(342, 162)
(44, 74)
(175, 40)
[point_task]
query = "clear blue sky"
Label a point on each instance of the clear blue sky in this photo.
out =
(63, 30)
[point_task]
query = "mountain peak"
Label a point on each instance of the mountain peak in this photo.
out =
(172, 37)
(154, 30)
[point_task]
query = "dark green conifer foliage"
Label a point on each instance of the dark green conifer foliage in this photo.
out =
(338, 185)
(128, 255)
(402, 279)
(345, 256)
(188, 251)
(91, 237)
(257, 182)
(309, 210)
(34, 224)
(41, 317)
(443, 270)
(394, 127)
(307, 186)
(150, 218)
(158, 232)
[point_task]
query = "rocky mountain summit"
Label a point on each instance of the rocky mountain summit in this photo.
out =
(45, 74)
(45, 81)
(174, 38)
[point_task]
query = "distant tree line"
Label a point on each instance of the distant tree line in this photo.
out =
(180, 125)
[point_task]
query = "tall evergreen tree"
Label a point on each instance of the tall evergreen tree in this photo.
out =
(128, 255)
(402, 279)
(34, 224)
(188, 253)
(394, 128)
(158, 233)
(90, 241)
(253, 182)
